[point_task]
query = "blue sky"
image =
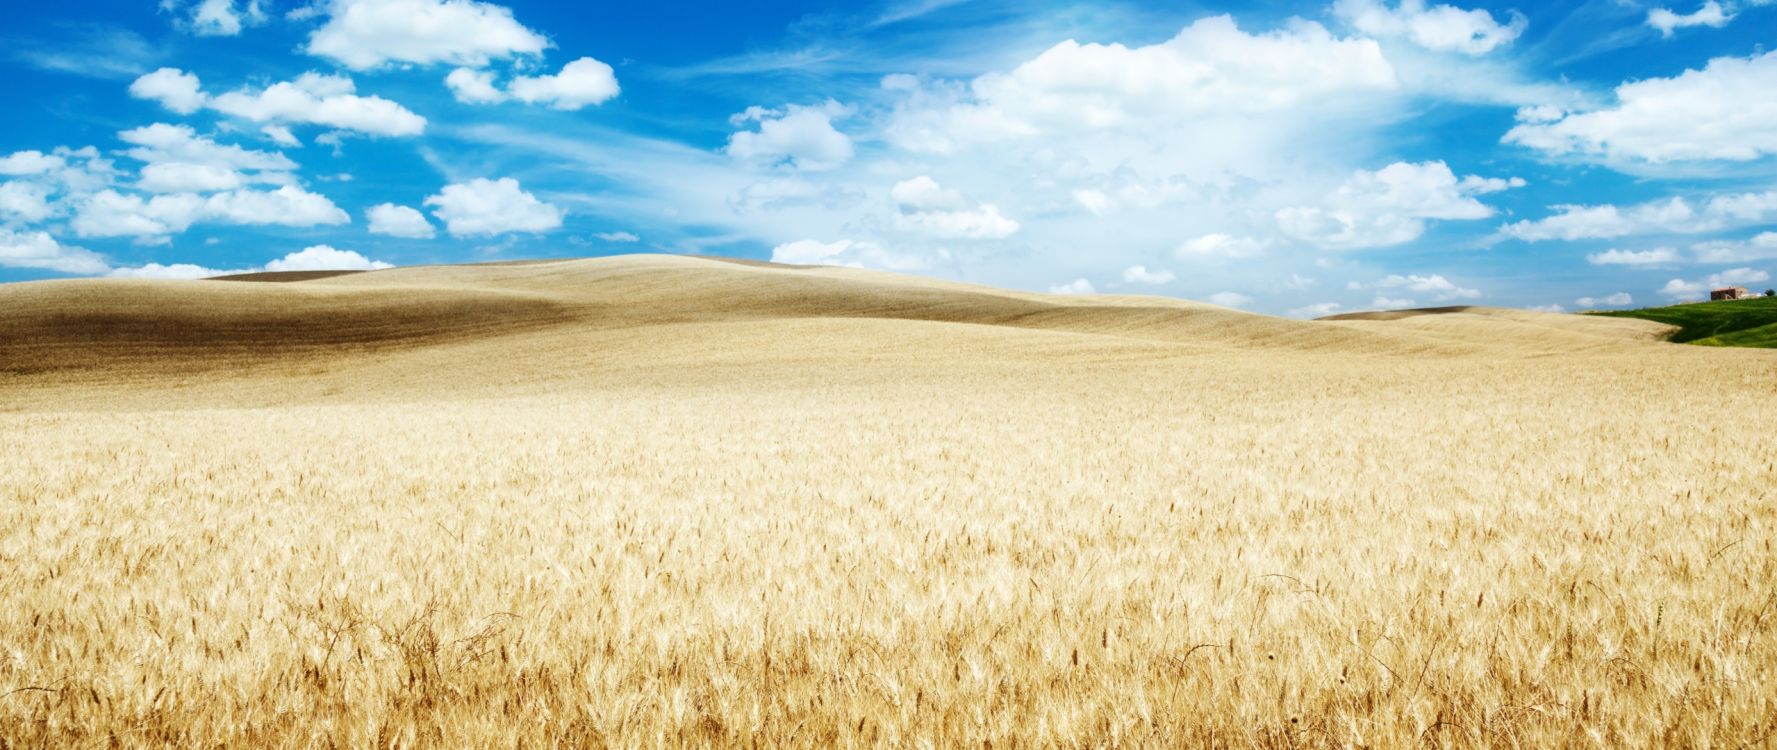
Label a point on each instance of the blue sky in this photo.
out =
(1288, 158)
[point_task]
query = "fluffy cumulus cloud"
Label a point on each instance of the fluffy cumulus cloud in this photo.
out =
(325, 258)
(582, 82)
(1760, 247)
(312, 98)
(482, 207)
(1659, 256)
(215, 17)
(1316, 310)
(925, 207)
(110, 213)
(1724, 111)
(178, 160)
(319, 99)
(1620, 299)
(800, 137)
(1230, 299)
(1683, 290)
(1218, 245)
(24, 202)
(30, 163)
(1211, 70)
(1441, 289)
(399, 221)
(364, 34)
(312, 258)
(1711, 14)
(1738, 277)
(173, 271)
(1389, 206)
(1676, 215)
(175, 89)
(1679, 289)
(846, 253)
(471, 86)
(1077, 286)
(41, 251)
(1141, 275)
(1445, 28)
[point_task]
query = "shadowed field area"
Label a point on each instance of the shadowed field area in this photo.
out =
(653, 500)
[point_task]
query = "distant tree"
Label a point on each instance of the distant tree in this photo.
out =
(1771, 292)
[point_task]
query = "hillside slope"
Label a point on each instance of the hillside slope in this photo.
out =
(491, 329)
(1742, 323)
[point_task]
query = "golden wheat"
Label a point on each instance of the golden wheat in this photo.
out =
(671, 502)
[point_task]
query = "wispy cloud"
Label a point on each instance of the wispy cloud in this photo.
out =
(91, 51)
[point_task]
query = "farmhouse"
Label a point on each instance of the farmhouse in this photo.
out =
(1732, 292)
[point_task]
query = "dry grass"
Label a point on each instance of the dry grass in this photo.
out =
(666, 502)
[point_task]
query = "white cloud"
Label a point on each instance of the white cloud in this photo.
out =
(1444, 28)
(482, 207)
(846, 253)
(1549, 308)
(1711, 15)
(1723, 112)
(1675, 215)
(109, 213)
(618, 237)
(24, 201)
(1210, 69)
(1737, 277)
(474, 86)
(40, 250)
(174, 271)
(180, 161)
(581, 82)
(288, 206)
(399, 221)
(1443, 289)
(1317, 310)
(313, 98)
(1095, 202)
(1679, 289)
(1659, 256)
(1619, 299)
(1230, 299)
(319, 99)
(797, 136)
(923, 206)
(175, 89)
(325, 258)
(1077, 286)
(363, 34)
(179, 177)
(1141, 275)
(1384, 302)
(162, 143)
(30, 163)
(281, 135)
(313, 258)
(1219, 245)
(1761, 247)
(1389, 206)
(215, 17)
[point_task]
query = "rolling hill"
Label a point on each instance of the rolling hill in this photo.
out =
(1748, 323)
(668, 501)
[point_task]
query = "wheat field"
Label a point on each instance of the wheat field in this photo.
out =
(655, 501)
